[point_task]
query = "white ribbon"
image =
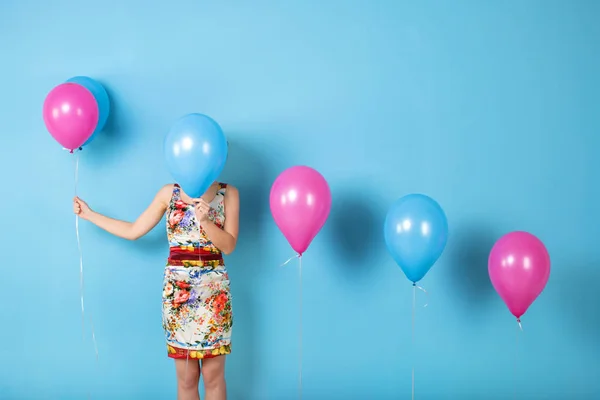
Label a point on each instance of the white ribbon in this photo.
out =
(414, 306)
(81, 280)
(290, 259)
(516, 366)
(300, 328)
(299, 257)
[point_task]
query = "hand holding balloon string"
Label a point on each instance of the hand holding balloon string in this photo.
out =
(201, 208)
(81, 208)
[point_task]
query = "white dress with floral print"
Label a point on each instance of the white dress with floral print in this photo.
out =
(197, 314)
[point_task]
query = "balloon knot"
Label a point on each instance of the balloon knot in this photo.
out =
(414, 283)
(81, 148)
(71, 151)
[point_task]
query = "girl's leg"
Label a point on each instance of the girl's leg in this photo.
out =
(187, 380)
(213, 371)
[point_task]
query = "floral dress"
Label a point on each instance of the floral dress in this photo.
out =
(196, 299)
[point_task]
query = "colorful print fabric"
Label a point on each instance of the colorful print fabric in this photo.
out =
(197, 315)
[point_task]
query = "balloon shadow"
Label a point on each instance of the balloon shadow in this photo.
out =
(467, 255)
(580, 296)
(113, 121)
(112, 136)
(355, 230)
(247, 169)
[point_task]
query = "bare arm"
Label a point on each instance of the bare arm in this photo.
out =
(128, 230)
(225, 239)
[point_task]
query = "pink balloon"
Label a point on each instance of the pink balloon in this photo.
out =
(300, 204)
(70, 114)
(519, 268)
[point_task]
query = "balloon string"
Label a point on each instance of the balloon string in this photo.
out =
(414, 303)
(290, 259)
(414, 308)
(424, 291)
(300, 328)
(187, 318)
(189, 344)
(299, 257)
(520, 329)
(81, 280)
(80, 252)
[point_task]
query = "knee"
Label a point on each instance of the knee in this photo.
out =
(188, 381)
(214, 378)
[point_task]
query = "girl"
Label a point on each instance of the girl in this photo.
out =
(197, 315)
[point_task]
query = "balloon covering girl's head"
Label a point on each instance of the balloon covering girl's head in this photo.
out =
(195, 152)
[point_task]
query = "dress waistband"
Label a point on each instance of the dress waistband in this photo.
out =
(194, 257)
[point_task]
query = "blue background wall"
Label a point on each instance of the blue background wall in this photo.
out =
(489, 107)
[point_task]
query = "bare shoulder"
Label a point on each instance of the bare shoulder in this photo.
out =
(165, 193)
(232, 206)
(232, 193)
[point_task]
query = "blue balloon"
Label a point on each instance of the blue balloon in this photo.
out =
(195, 153)
(101, 97)
(416, 232)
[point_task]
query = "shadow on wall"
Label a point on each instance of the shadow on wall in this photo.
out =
(467, 255)
(579, 299)
(115, 134)
(247, 169)
(355, 229)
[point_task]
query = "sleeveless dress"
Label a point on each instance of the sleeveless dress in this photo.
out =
(196, 299)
